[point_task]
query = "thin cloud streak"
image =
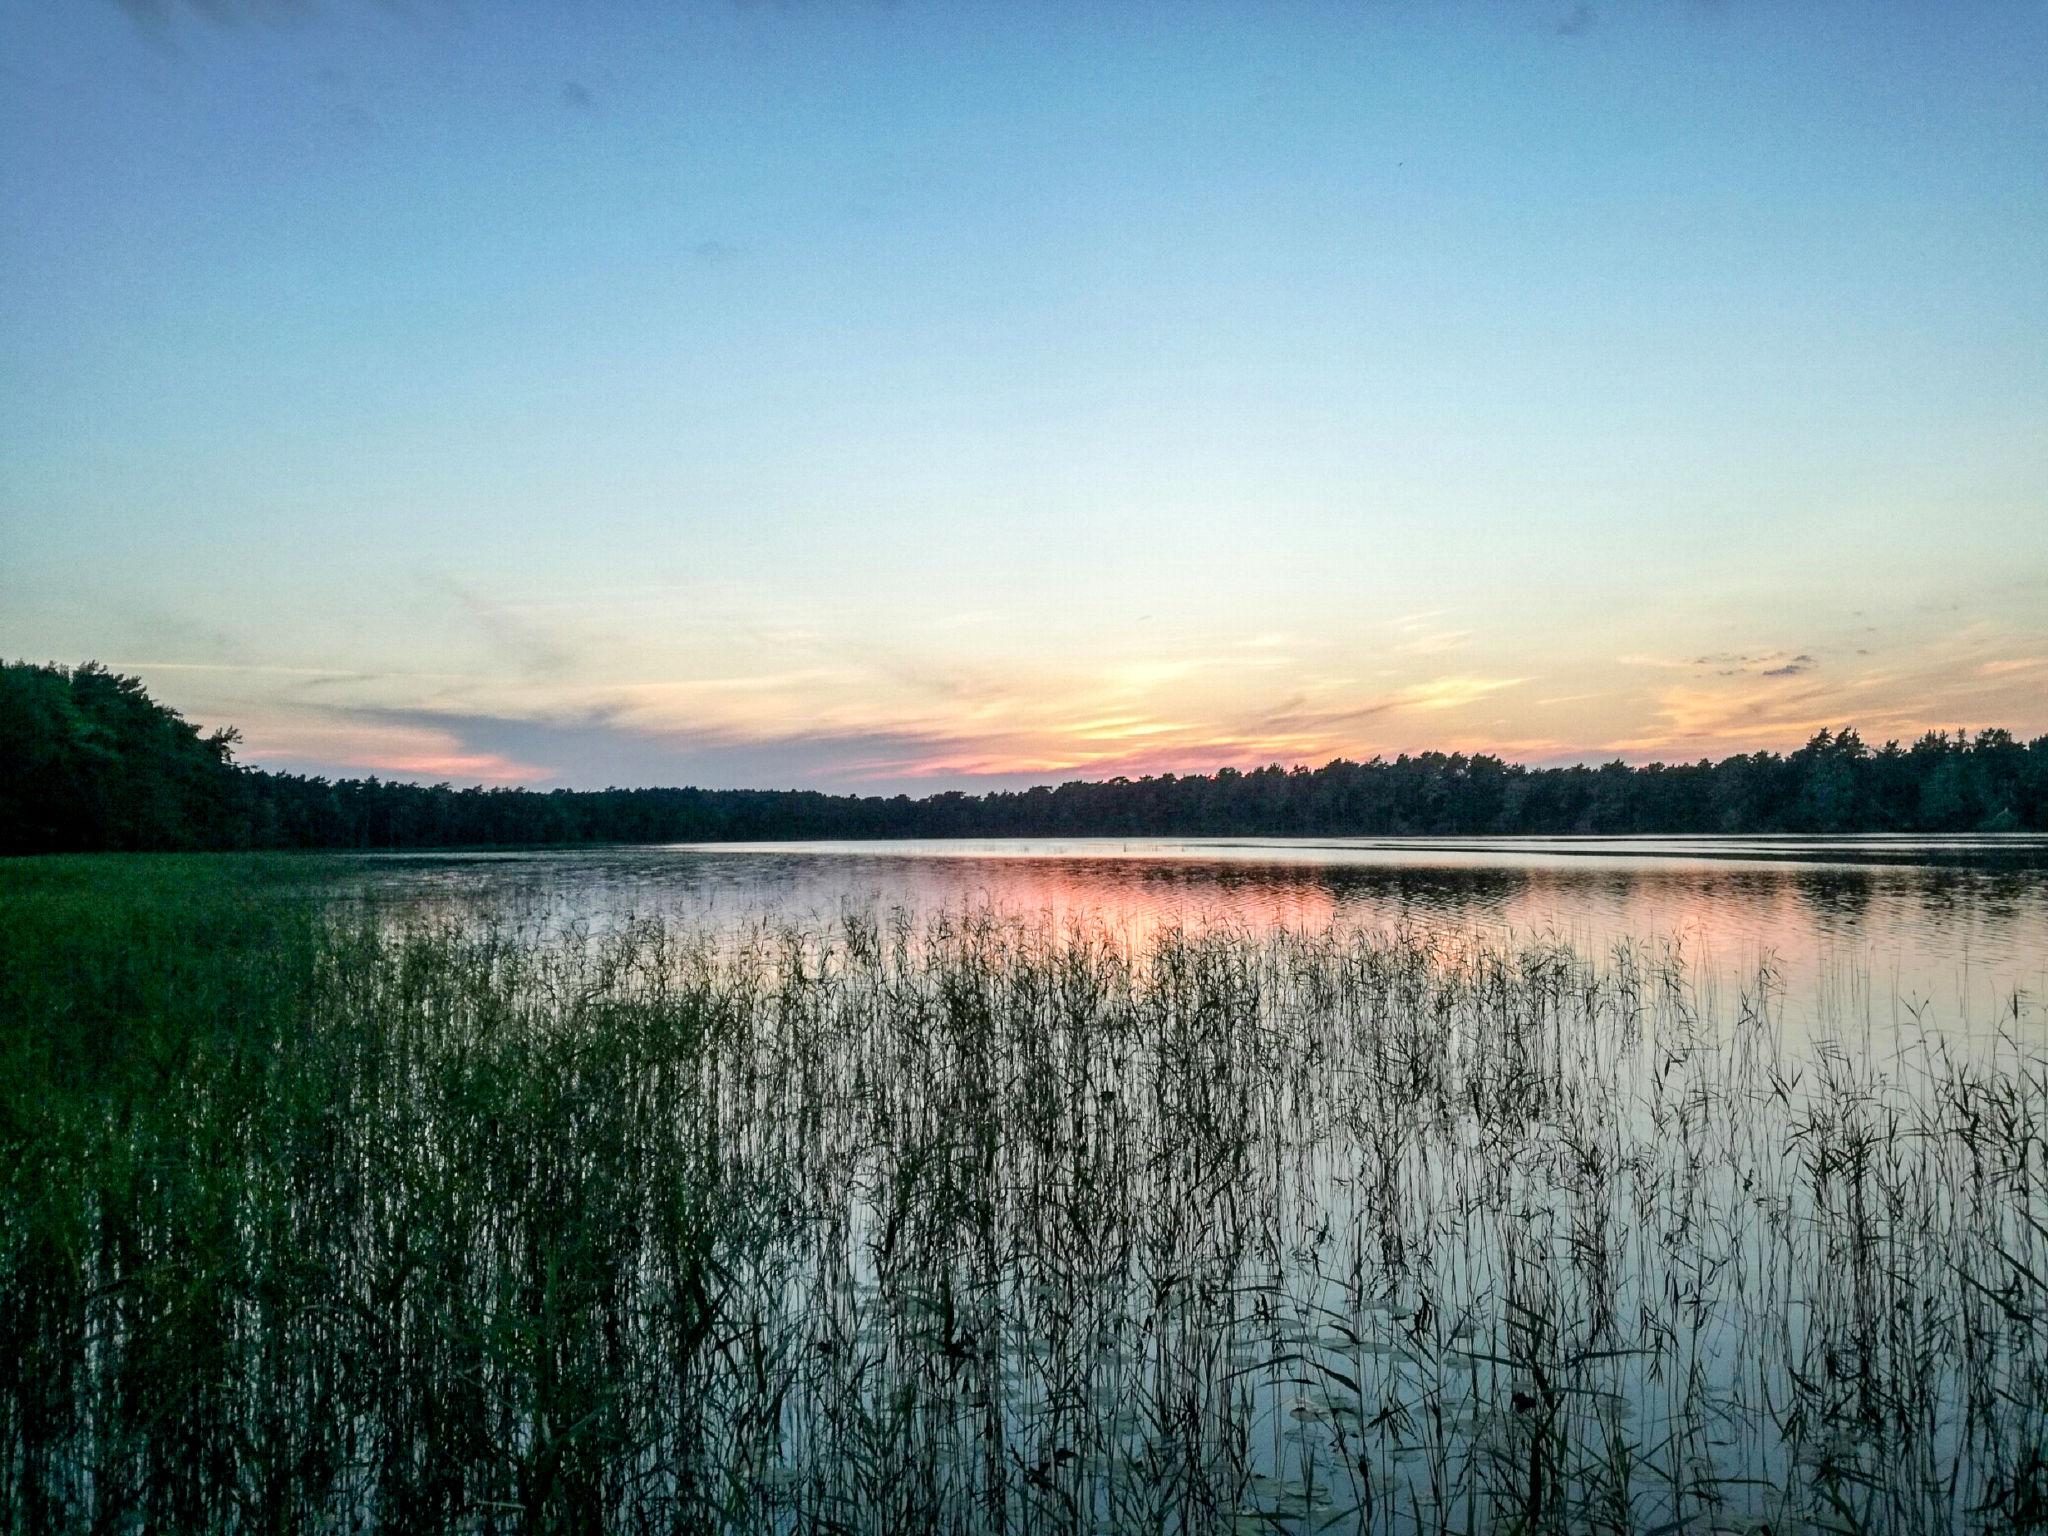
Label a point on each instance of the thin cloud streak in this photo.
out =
(803, 707)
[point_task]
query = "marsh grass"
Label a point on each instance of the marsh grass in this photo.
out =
(320, 1215)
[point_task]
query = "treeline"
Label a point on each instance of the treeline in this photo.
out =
(89, 761)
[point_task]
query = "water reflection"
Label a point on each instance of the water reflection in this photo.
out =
(1949, 928)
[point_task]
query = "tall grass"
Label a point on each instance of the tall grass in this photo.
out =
(317, 1216)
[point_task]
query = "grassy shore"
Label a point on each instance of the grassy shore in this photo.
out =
(324, 1215)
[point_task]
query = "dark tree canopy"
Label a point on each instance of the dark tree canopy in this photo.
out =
(89, 761)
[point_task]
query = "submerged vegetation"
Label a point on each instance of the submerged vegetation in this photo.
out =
(323, 1214)
(89, 761)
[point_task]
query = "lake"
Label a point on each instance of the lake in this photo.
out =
(1946, 929)
(1220, 1187)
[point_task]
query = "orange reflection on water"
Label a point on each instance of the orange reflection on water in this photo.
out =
(1854, 919)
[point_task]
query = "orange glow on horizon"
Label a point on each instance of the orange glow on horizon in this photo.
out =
(889, 722)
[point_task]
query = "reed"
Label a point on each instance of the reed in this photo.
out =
(325, 1214)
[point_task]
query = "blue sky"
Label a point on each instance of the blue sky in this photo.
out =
(911, 395)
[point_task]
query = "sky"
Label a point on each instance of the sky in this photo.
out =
(914, 396)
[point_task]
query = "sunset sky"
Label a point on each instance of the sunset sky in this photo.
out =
(911, 396)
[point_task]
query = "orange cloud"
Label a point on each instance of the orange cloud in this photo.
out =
(393, 752)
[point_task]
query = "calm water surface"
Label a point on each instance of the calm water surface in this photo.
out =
(1949, 928)
(1283, 1237)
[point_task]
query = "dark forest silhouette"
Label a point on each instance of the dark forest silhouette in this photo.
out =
(89, 761)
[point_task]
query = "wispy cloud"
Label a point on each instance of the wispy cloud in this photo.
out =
(353, 744)
(1453, 692)
(1793, 668)
(808, 697)
(598, 750)
(1729, 663)
(529, 647)
(1737, 702)
(254, 669)
(1432, 644)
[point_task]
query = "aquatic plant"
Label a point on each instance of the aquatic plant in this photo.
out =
(329, 1214)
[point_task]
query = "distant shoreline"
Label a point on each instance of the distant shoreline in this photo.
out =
(89, 762)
